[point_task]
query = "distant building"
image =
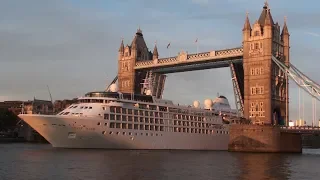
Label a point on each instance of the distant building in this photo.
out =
(28, 107)
(34, 106)
(38, 107)
(291, 123)
(14, 106)
(300, 122)
(60, 105)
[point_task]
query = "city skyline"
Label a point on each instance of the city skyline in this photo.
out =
(72, 46)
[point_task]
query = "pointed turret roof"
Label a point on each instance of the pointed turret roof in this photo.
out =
(139, 32)
(265, 16)
(138, 35)
(268, 20)
(155, 51)
(121, 49)
(247, 25)
(285, 27)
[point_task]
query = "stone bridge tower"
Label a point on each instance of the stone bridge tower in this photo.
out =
(265, 85)
(128, 80)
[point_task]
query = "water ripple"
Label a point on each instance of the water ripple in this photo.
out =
(37, 162)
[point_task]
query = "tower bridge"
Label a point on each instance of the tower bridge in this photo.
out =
(260, 71)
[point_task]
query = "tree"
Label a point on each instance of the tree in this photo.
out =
(8, 120)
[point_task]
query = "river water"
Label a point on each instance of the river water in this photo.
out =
(41, 161)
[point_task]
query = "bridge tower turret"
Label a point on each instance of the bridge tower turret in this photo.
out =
(128, 80)
(285, 36)
(265, 89)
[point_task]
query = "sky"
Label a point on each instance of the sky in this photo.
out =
(72, 45)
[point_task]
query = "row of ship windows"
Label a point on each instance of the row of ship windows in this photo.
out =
(187, 129)
(160, 128)
(136, 126)
(81, 107)
(93, 101)
(131, 134)
(73, 107)
(66, 113)
(158, 121)
(120, 110)
(136, 118)
(156, 134)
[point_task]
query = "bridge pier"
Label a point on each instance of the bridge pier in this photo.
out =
(263, 138)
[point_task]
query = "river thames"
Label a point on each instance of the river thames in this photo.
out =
(41, 161)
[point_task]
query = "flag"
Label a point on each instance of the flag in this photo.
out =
(196, 40)
(168, 45)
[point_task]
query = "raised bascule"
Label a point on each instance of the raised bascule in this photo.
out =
(260, 70)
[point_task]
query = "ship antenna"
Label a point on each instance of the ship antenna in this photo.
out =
(49, 94)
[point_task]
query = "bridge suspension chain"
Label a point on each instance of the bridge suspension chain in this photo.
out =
(299, 78)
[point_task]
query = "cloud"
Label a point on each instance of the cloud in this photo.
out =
(312, 34)
(56, 44)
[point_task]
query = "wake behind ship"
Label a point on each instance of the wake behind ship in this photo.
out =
(115, 120)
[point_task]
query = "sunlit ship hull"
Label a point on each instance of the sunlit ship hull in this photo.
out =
(78, 132)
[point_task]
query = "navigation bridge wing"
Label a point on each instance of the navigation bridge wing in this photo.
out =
(188, 62)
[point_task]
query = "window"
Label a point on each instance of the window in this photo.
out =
(253, 91)
(261, 90)
(256, 45)
(256, 71)
(257, 109)
(252, 71)
(125, 83)
(257, 90)
(256, 33)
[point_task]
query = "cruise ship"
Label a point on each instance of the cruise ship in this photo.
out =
(115, 120)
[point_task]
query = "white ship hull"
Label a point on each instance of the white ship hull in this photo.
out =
(78, 132)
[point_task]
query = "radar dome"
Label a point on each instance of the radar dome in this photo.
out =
(221, 103)
(196, 104)
(113, 88)
(208, 103)
(148, 93)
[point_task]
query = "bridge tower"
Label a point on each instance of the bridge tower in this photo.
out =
(265, 85)
(128, 80)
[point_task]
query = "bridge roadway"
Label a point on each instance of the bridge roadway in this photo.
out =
(190, 62)
(300, 129)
